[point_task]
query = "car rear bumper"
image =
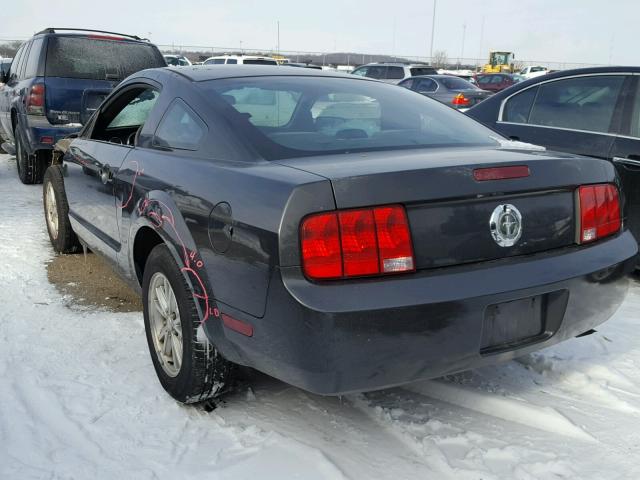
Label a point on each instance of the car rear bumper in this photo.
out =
(42, 135)
(370, 334)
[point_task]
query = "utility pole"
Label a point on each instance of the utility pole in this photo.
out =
(481, 40)
(433, 29)
(464, 32)
(278, 44)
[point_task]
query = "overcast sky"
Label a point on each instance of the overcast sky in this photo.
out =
(588, 31)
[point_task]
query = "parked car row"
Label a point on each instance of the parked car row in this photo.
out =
(333, 231)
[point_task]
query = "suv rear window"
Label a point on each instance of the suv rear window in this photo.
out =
(99, 59)
(417, 71)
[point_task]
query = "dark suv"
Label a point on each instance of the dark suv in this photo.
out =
(56, 80)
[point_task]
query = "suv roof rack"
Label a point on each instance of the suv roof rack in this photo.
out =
(54, 30)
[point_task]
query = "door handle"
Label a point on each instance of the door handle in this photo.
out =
(629, 162)
(106, 175)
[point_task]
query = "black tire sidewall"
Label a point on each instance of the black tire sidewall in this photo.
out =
(160, 260)
(66, 241)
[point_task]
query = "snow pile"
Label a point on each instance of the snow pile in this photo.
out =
(79, 399)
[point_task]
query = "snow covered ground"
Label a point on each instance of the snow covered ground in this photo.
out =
(79, 399)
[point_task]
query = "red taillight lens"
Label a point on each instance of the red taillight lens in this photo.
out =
(460, 100)
(35, 100)
(599, 212)
(359, 243)
(321, 251)
(356, 243)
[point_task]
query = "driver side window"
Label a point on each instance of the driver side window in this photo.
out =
(124, 117)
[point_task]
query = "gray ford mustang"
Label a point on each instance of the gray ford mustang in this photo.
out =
(335, 232)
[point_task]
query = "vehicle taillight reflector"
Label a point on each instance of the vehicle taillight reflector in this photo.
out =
(35, 100)
(501, 173)
(460, 99)
(356, 243)
(599, 212)
(237, 325)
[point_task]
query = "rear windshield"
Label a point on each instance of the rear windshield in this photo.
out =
(294, 116)
(99, 59)
(455, 83)
(259, 61)
(417, 71)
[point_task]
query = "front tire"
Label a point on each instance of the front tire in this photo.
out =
(189, 369)
(56, 212)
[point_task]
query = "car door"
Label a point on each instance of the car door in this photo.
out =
(572, 114)
(625, 153)
(93, 160)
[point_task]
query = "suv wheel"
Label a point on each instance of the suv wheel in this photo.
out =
(56, 212)
(189, 369)
(30, 167)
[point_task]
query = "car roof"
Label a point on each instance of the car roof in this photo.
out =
(399, 64)
(436, 76)
(201, 73)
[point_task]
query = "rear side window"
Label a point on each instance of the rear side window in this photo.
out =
(584, 103)
(31, 69)
(232, 61)
(180, 128)
(395, 73)
(99, 59)
(484, 80)
(518, 107)
(426, 85)
(17, 62)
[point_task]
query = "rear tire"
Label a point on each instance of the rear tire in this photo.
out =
(56, 212)
(30, 167)
(190, 370)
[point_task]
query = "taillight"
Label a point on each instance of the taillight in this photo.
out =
(460, 100)
(356, 243)
(35, 100)
(599, 212)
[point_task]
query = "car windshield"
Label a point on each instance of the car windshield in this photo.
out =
(99, 59)
(454, 83)
(293, 116)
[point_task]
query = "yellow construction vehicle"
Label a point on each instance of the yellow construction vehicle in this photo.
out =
(499, 62)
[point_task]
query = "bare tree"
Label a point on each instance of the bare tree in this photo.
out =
(440, 59)
(9, 49)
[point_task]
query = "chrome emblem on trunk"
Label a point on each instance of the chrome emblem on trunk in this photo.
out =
(506, 225)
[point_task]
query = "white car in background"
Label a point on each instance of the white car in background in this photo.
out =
(177, 60)
(536, 71)
(240, 60)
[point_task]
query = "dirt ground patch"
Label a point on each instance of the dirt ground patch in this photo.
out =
(89, 281)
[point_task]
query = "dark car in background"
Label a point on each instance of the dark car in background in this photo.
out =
(338, 233)
(56, 80)
(393, 72)
(448, 89)
(5, 63)
(589, 111)
(496, 82)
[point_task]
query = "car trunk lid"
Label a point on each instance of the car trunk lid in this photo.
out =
(449, 211)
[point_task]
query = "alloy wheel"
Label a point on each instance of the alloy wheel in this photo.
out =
(52, 210)
(166, 328)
